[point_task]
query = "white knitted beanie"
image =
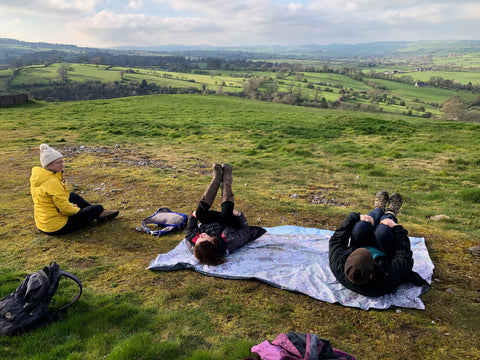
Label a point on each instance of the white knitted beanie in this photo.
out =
(48, 155)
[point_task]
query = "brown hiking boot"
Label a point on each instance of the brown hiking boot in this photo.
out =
(107, 215)
(227, 193)
(475, 251)
(208, 196)
(381, 200)
(395, 204)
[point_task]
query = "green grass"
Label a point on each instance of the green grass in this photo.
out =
(276, 151)
(428, 95)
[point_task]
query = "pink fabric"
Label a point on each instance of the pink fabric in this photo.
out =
(344, 354)
(307, 348)
(267, 351)
(282, 349)
(291, 352)
(194, 240)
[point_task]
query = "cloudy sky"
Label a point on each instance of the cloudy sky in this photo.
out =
(108, 23)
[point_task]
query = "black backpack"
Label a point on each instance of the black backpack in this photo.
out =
(27, 307)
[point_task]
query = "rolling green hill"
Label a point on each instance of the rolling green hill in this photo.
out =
(337, 90)
(292, 165)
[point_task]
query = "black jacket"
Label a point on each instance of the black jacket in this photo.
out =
(388, 272)
(234, 238)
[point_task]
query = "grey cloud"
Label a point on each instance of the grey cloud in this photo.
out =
(258, 22)
(50, 7)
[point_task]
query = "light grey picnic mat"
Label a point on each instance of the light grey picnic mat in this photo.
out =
(296, 258)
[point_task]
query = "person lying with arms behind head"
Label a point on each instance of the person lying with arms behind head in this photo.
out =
(219, 233)
(58, 211)
(370, 254)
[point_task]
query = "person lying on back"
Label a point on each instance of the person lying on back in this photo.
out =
(370, 254)
(212, 235)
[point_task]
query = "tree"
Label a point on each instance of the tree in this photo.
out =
(476, 101)
(97, 60)
(454, 108)
(251, 88)
(17, 63)
(271, 88)
(318, 93)
(62, 72)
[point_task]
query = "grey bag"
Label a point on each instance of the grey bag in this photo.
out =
(28, 306)
(164, 221)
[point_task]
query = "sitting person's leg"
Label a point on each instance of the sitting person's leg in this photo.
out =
(84, 204)
(80, 220)
(78, 200)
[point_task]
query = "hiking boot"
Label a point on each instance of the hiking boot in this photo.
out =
(107, 215)
(381, 200)
(475, 251)
(227, 193)
(209, 195)
(395, 204)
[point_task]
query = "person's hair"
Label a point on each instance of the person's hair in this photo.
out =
(207, 253)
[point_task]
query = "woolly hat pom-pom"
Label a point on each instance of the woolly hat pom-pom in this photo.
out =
(43, 147)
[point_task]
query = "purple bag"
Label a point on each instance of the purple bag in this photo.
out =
(297, 346)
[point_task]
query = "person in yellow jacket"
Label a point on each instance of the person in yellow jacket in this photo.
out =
(58, 211)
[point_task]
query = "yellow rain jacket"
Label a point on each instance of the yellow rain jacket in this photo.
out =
(51, 207)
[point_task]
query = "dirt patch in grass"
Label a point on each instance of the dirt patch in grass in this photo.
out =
(117, 155)
(324, 197)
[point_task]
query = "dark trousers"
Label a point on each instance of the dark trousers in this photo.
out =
(80, 220)
(226, 217)
(380, 236)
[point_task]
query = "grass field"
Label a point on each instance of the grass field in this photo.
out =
(463, 77)
(139, 153)
(425, 95)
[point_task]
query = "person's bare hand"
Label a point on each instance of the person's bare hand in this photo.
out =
(388, 222)
(367, 218)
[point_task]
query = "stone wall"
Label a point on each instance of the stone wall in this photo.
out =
(7, 100)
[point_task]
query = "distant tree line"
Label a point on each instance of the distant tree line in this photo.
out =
(91, 90)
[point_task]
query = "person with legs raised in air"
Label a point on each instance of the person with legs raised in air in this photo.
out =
(212, 235)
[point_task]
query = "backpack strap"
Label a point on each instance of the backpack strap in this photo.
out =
(79, 283)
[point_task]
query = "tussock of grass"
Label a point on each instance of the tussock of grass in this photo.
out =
(137, 154)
